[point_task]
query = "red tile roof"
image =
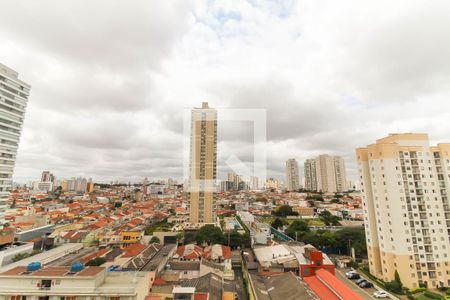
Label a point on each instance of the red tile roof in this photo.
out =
(159, 281)
(99, 253)
(320, 289)
(133, 250)
(324, 283)
(201, 296)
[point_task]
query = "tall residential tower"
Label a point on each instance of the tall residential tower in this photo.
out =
(13, 101)
(325, 173)
(292, 175)
(405, 185)
(203, 164)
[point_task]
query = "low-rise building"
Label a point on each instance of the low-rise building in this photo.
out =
(72, 282)
(7, 253)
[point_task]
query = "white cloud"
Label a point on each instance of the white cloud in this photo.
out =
(111, 79)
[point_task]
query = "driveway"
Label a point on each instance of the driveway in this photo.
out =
(364, 293)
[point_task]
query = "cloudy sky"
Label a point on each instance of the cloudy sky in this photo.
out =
(111, 79)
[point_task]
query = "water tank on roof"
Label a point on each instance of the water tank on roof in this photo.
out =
(34, 266)
(76, 267)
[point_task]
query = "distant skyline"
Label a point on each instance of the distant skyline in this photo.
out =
(109, 86)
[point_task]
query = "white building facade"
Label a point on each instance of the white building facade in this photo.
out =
(13, 101)
(292, 175)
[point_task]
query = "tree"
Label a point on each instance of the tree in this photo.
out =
(237, 240)
(277, 223)
(180, 237)
(320, 239)
(311, 203)
(314, 197)
(397, 279)
(347, 238)
(297, 229)
(284, 211)
(154, 239)
(20, 256)
(98, 261)
(393, 286)
(329, 219)
(209, 234)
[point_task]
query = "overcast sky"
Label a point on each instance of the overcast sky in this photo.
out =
(110, 79)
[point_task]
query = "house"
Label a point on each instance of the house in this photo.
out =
(283, 286)
(327, 287)
(131, 236)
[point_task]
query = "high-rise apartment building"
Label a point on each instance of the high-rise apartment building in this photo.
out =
(340, 174)
(254, 183)
(292, 175)
(310, 175)
(203, 164)
(326, 173)
(46, 176)
(13, 101)
(405, 185)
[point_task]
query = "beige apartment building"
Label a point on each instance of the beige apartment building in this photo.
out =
(203, 164)
(310, 175)
(55, 283)
(325, 173)
(292, 175)
(405, 185)
(340, 174)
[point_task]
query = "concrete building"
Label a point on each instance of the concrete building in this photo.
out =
(69, 283)
(7, 253)
(254, 183)
(326, 173)
(46, 176)
(405, 186)
(292, 175)
(326, 177)
(340, 174)
(203, 164)
(310, 175)
(45, 186)
(13, 101)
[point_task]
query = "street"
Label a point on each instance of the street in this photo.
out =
(364, 293)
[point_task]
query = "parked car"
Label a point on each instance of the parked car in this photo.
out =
(359, 281)
(365, 284)
(381, 294)
(354, 276)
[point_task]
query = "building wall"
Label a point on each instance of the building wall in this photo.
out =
(326, 173)
(13, 101)
(310, 175)
(203, 164)
(130, 237)
(340, 173)
(405, 185)
(7, 255)
(292, 175)
(126, 285)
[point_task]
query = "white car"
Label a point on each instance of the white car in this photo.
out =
(381, 294)
(350, 273)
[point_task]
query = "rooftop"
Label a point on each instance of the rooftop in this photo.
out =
(52, 272)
